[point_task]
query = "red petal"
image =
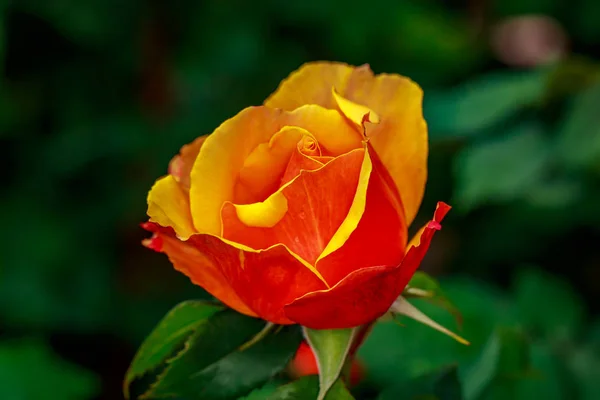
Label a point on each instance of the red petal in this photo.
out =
(190, 261)
(265, 280)
(380, 237)
(365, 294)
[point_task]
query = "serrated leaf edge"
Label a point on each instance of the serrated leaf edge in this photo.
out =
(129, 379)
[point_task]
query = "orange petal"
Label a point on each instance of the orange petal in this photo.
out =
(224, 153)
(181, 165)
(200, 269)
(400, 138)
(168, 206)
(317, 203)
(264, 280)
(365, 294)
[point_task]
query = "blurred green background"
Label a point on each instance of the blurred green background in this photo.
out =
(97, 96)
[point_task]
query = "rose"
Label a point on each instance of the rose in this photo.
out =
(297, 211)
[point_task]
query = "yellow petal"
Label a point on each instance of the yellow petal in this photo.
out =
(311, 84)
(223, 154)
(334, 135)
(264, 214)
(400, 139)
(169, 206)
(357, 113)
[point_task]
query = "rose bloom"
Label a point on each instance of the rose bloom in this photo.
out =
(297, 211)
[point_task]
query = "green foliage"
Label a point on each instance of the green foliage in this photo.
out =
(503, 359)
(29, 369)
(517, 350)
(442, 384)
(169, 335)
(503, 169)
(483, 103)
(579, 143)
(198, 351)
(563, 313)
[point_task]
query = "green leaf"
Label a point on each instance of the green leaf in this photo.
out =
(423, 286)
(482, 103)
(402, 307)
(307, 388)
(442, 384)
(217, 363)
(262, 393)
(579, 136)
(169, 335)
(563, 312)
(550, 379)
(30, 370)
(504, 359)
(331, 347)
(501, 169)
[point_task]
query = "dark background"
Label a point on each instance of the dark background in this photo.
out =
(96, 96)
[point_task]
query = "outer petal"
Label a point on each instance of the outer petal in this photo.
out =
(374, 231)
(365, 294)
(312, 83)
(200, 269)
(168, 205)
(181, 165)
(316, 203)
(264, 280)
(400, 138)
(223, 153)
